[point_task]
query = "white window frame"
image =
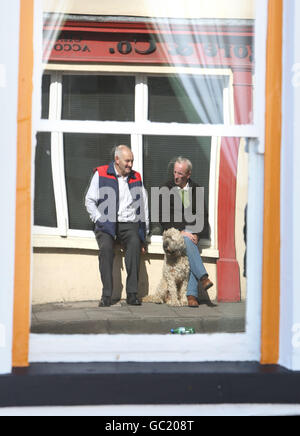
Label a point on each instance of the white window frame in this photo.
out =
(169, 348)
(290, 189)
(9, 67)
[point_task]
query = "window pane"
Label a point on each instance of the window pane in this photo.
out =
(187, 99)
(160, 152)
(215, 43)
(98, 98)
(84, 153)
(44, 202)
(45, 96)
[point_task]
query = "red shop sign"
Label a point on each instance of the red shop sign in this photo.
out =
(149, 46)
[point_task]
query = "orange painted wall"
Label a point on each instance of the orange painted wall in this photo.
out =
(23, 202)
(271, 254)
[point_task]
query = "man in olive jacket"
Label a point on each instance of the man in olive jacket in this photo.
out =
(188, 193)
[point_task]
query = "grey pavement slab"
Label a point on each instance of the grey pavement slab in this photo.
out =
(60, 315)
(88, 318)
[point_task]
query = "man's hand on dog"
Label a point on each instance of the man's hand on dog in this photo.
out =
(193, 238)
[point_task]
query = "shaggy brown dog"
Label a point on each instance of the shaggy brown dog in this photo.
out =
(176, 272)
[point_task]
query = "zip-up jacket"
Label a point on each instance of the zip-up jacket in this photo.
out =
(103, 207)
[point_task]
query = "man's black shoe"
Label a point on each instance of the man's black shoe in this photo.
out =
(133, 301)
(105, 302)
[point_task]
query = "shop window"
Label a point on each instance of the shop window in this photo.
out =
(100, 98)
(165, 100)
(187, 99)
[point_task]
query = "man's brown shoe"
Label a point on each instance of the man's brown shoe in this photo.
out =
(206, 283)
(192, 301)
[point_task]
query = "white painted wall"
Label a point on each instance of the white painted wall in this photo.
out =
(156, 8)
(9, 35)
(167, 411)
(290, 192)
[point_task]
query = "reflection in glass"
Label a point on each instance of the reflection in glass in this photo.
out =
(45, 95)
(187, 99)
(224, 261)
(193, 65)
(100, 98)
(84, 153)
(217, 53)
(44, 202)
(160, 152)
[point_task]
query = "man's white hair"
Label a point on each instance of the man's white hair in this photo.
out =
(118, 150)
(183, 160)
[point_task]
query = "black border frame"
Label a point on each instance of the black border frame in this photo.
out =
(79, 384)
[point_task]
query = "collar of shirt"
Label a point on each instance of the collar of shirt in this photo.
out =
(118, 175)
(186, 188)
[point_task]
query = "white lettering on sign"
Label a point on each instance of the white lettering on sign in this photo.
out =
(2, 76)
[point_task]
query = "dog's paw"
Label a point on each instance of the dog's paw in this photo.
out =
(147, 299)
(175, 303)
(184, 302)
(152, 299)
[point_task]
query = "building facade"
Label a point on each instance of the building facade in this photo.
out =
(151, 66)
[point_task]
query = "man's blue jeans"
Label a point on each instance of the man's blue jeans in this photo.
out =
(197, 268)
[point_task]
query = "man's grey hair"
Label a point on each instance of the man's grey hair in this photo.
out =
(118, 150)
(184, 160)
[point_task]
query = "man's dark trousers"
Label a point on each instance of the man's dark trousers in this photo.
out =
(128, 236)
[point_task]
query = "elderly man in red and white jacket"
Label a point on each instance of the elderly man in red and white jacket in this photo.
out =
(117, 203)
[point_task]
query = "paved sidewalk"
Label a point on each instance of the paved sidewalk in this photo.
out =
(87, 318)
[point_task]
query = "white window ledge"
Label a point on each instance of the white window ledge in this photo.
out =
(82, 243)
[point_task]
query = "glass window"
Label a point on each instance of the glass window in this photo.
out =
(187, 99)
(44, 202)
(99, 98)
(160, 153)
(83, 153)
(45, 95)
(166, 83)
(171, 99)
